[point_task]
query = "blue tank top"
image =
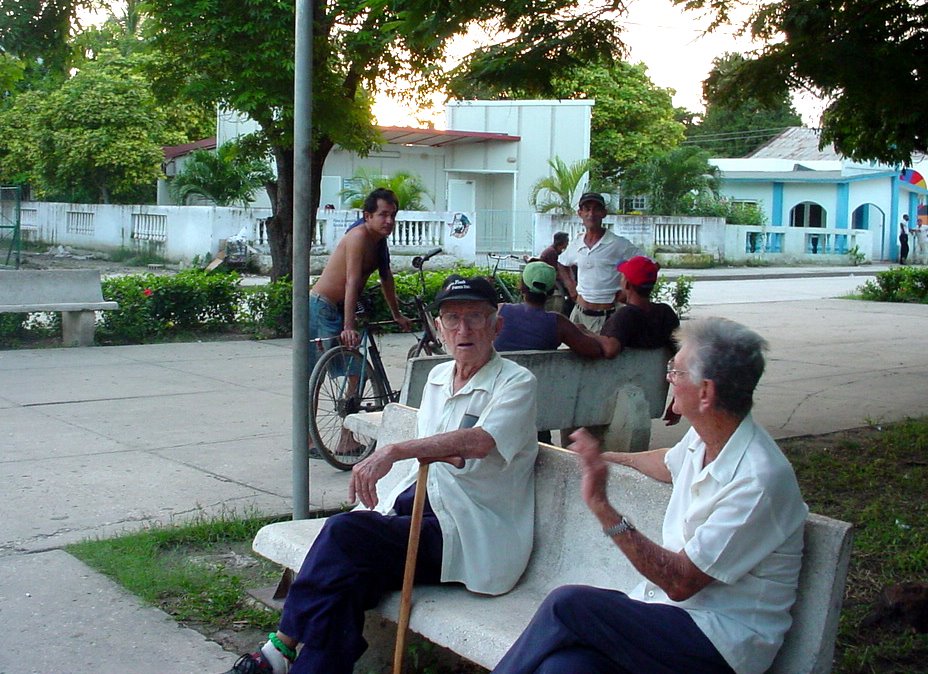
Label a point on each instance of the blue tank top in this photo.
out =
(525, 328)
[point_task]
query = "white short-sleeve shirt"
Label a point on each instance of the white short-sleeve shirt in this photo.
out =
(597, 277)
(740, 520)
(487, 508)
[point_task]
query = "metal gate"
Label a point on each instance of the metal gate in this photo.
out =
(10, 234)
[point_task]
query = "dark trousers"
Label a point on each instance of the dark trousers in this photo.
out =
(594, 631)
(357, 557)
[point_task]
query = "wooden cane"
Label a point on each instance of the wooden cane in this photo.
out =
(409, 574)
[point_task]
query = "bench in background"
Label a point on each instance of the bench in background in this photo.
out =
(616, 399)
(569, 547)
(76, 293)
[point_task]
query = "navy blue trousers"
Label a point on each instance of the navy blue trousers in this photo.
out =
(357, 557)
(587, 630)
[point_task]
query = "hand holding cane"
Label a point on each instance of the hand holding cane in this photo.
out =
(412, 551)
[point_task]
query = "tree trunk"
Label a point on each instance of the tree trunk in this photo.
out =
(280, 225)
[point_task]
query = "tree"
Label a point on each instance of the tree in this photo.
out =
(559, 192)
(240, 56)
(633, 119)
(409, 189)
(735, 128)
(226, 177)
(98, 137)
(866, 57)
(673, 180)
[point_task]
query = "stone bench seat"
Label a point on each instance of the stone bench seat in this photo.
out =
(569, 547)
(75, 293)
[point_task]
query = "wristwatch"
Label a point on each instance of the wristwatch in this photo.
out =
(619, 528)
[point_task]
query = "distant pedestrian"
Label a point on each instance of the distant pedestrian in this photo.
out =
(903, 239)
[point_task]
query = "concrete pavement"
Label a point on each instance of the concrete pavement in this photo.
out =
(102, 440)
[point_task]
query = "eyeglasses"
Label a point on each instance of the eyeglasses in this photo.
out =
(672, 374)
(472, 321)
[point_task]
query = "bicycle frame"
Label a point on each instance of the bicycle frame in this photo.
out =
(503, 289)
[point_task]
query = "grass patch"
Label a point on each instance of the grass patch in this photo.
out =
(197, 573)
(875, 477)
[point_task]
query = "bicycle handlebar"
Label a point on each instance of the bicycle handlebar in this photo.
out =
(420, 260)
(510, 256)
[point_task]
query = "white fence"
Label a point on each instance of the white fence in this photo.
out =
(182, 232)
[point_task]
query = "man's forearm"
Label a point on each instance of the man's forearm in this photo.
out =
(388, 288)
(673, 572)
(467, 443)
(649, 463)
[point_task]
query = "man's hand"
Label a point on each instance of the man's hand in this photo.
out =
(404, 323)
(350, 338)
(366, 474)
(595, 470)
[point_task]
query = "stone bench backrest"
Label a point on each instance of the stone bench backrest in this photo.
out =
(38, 287)
(572, 391)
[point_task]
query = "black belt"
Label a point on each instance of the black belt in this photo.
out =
(597, 312)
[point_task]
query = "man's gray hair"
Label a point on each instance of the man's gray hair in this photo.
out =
(728, 354)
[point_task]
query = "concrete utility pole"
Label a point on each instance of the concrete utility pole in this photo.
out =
(302, 203)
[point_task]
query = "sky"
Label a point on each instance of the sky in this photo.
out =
(668, 40)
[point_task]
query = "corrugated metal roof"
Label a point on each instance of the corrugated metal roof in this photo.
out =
(803, 176)
(796, 142)
(402, 135)
(174, 151)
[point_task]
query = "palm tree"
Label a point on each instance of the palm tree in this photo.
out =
(561, 188)
(673, 180)
(409, 189)
(226, 177)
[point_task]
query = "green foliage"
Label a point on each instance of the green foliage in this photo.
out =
(559, 192)
(270, 308)
(226, 177)
(736, 127)
(855, 255)
(899, 284)
(842, 52)
(675, 292)
(409, 188)
(11, 327)
(672, 181)
(156, 306)
(735, 213)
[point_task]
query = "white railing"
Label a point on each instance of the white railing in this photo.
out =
(80, 222)
(676, 235)
(149, 227)
(417, 231)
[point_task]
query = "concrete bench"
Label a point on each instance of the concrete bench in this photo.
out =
(569, 547)
(616, 399)
(75, 293)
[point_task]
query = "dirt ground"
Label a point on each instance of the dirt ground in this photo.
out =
(65, 257)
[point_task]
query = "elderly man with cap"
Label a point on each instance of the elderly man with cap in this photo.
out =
(595, 254)
(476, 425)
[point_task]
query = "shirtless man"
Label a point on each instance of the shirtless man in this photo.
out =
(333, 299)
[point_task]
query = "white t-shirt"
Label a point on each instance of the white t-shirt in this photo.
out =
(740, 520)
(597, 277)
(487, 508)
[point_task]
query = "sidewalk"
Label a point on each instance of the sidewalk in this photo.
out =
(103, 440)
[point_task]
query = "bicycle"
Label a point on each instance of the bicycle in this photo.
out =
(504, 294)
(348, 380)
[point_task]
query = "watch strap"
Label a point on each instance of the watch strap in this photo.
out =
(620, 528)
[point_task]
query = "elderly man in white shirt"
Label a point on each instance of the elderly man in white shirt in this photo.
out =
(596, 255)
(477, 426)
(717, 592)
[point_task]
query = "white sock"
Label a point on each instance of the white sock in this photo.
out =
(276, 659)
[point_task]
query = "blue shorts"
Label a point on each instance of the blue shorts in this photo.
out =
(325, 320)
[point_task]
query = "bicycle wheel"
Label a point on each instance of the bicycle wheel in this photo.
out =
(425, 348)
(342, 383)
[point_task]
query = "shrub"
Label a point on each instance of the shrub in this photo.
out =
(270, 308)
(900, 284)
(675, 292)
(12, 327)
(154, 306)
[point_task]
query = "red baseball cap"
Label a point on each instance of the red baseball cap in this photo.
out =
(640, 270)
